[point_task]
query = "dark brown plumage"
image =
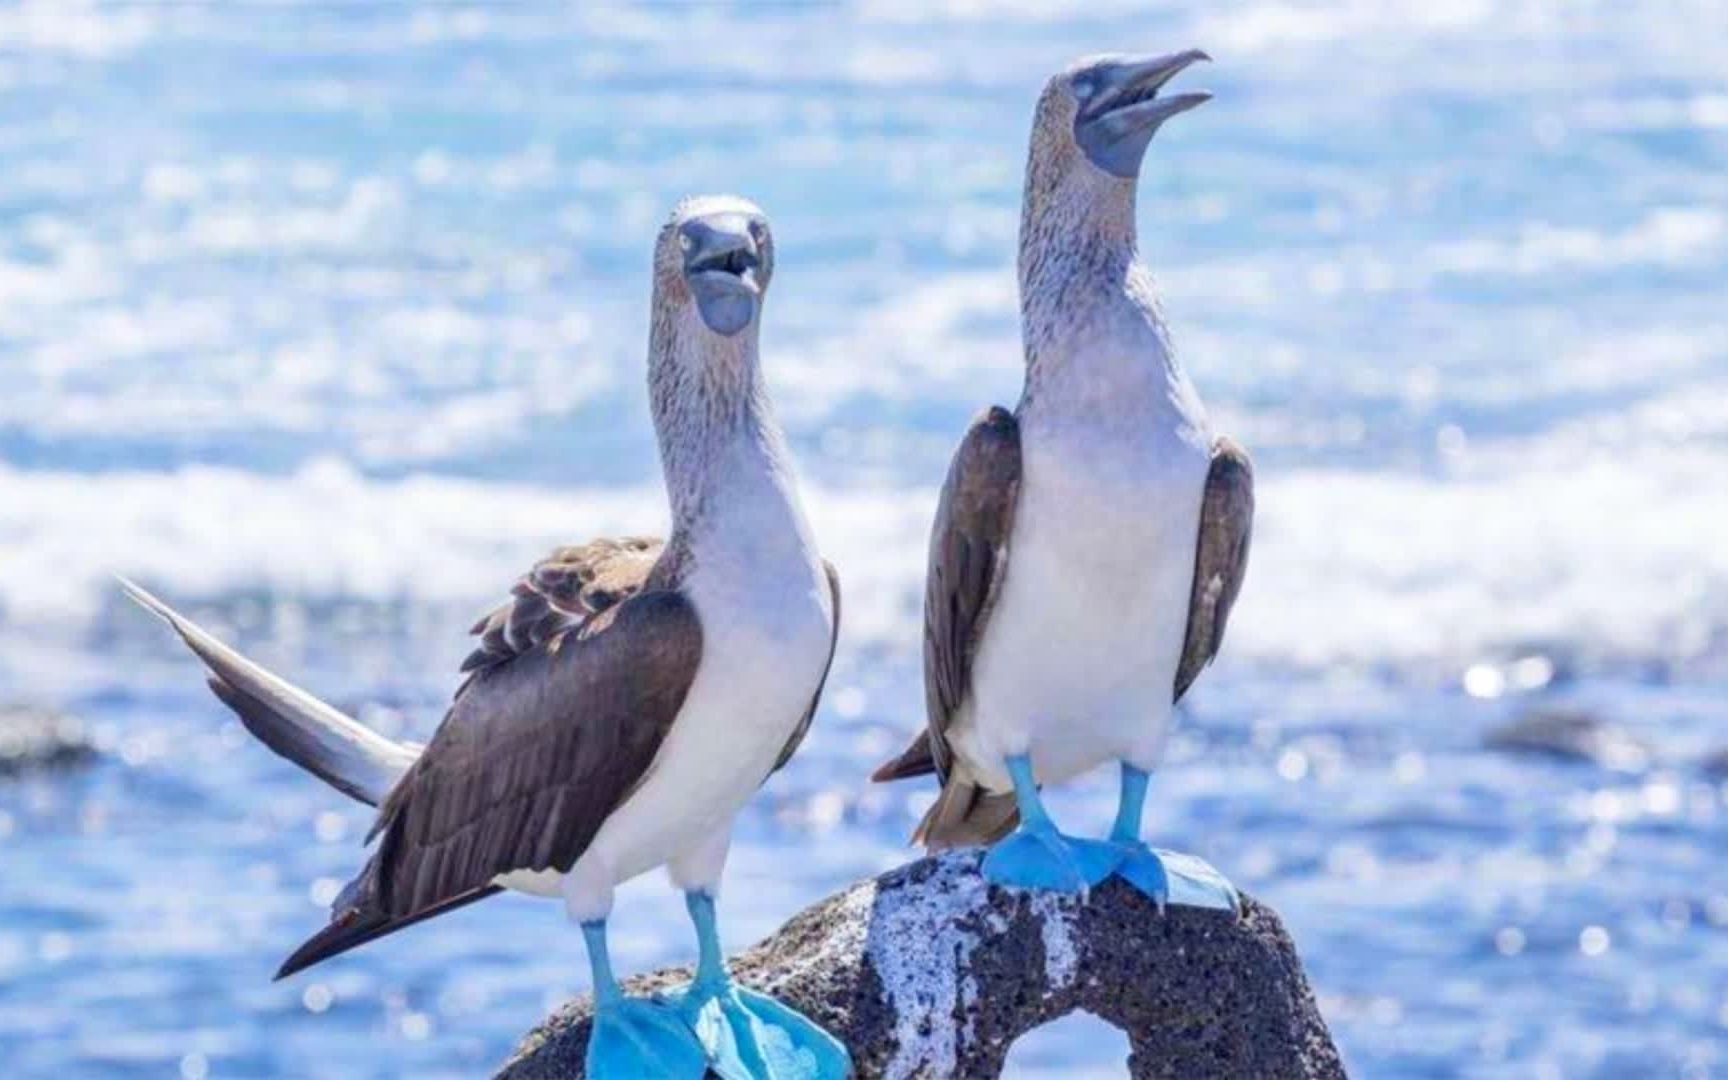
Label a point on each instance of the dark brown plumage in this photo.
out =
(1220, 557)
(968, 555)
(544, 740)
(529, 761)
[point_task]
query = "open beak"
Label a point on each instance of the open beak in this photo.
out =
(1129, 96)
(722, 255)
(1117, 122)
(721, 260)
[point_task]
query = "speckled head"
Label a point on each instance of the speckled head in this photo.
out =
(1105, 109)
(715, 254)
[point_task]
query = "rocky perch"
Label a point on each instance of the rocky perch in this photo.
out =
(928, 971)
(32, 738)
(1572, 735)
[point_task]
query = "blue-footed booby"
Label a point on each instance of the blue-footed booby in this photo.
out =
(623, 705)
(1089, 545)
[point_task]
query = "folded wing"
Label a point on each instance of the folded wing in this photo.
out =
(532, 757)
(1220, 557)
(968, 555)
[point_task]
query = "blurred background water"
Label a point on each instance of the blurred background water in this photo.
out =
(325, 320)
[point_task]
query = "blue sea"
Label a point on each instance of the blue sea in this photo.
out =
(325, 319)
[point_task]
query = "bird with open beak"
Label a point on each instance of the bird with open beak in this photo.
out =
(624, 704)
(1088, 546)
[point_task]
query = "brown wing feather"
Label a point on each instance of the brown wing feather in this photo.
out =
(563, 589)
(968, 556)
(528, 763)
(1220, 557)
(804, 724)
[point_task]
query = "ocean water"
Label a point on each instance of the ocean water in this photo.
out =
(326, 319)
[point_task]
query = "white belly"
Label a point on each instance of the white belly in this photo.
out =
(765, 645)
(767, 613)
(1079, 657)
(750, 693)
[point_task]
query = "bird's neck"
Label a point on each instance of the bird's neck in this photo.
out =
(1075, 225)
(712, 417)
(1090, 320)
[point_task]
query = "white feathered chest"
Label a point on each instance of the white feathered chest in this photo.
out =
(1080, 654)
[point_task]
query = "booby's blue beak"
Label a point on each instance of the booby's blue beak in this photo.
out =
(1120, 109)
(721, 261)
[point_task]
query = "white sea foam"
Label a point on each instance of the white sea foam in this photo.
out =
(1608, 557)
(327, 532)
(429, 302)
(1612, 555)
(80, 29)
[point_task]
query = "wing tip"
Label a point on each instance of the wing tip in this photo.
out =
(298, 960)
(358, 926)
(348, 930)
(288, 968)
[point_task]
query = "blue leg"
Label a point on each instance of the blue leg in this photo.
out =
(1168, 877)
(1037, 856)
(633, 1037)
(748, 1035)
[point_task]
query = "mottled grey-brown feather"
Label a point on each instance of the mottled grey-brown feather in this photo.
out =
(1220, 557)
(968, 557)
(570, 585)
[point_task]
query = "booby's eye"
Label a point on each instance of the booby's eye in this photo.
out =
(1085, 86)
(684, 241)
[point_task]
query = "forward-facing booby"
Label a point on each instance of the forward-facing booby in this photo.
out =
(1088, 546)
(625, 703)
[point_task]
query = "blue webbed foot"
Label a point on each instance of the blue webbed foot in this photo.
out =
(1040, 857)
(1171, 877)
(747, 1035)
(1142, 868)
(634, 1037)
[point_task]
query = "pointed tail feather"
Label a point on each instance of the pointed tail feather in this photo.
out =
(916, 760)
(342, 752)
(964, 815)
